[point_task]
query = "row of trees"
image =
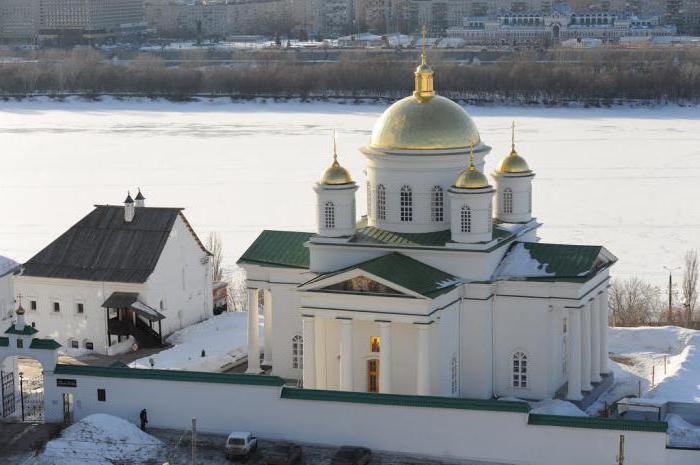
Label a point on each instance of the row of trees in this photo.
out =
(634, 302)
(528, 76)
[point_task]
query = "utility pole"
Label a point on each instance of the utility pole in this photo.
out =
(670, 291)
(194, 441)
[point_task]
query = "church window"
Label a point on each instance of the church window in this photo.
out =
(56, 307)
(465, 220)
(20, 343)
(89, 345)
(437, 203)
(369, 199)
(520, 370)
(381, 202)
(508, 201)
(32, 305)
(375, 344)
(74, 345)
(406, 204)
(454, 371)
(297, 352)
(329, 215)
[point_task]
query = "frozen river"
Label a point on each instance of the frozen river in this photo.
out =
(625, 178)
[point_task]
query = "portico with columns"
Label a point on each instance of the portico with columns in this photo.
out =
(442, 287)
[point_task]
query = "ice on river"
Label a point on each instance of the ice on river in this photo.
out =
(627, 178)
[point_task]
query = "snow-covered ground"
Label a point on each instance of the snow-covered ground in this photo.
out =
(101, 439)
(223, 339)
(623, 177)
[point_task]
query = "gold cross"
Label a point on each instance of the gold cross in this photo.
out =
(424, 55)
(335, 151)
(512, 137)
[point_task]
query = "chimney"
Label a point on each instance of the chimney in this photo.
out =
(129, 209)
(140, 199)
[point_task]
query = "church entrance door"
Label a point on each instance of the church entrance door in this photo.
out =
(373, 375)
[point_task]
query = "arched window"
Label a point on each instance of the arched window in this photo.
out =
(406, 204)
(381, 202)
(437, 204)
(520, 370)
(508, 201)
(329, 215)
(298, 352)
(465, 220)
(369, 199)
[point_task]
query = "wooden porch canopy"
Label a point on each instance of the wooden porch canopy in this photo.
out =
(130, 300)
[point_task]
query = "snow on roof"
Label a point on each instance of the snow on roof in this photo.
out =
(7, 265)
(520, 264)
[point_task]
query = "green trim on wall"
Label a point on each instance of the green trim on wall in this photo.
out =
(168, 375)
(598, 423)
(4, 341)
(404, 400)
(26, 331)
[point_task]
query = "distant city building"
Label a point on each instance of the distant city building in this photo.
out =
(562, 24)
(19, 19)
(76, 20)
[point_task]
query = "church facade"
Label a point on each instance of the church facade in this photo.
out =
(443, 287)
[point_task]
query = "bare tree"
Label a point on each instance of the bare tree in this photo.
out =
(215, 246)
(634, 302)
(689, 289)
(237, 292)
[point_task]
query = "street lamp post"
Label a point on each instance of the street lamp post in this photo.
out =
(21, 393)
(670, 291)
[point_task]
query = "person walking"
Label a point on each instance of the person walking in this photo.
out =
(144, 419)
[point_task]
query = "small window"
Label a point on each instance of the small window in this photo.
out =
(406, 204)
(298, 352)
(33, 305)
(437, 202)
(329, 215)
(80, 307)
(381, 202)
(465, 219)
(102, 395)
(56, 306)
(508, 201)
(20, 343)
(375, 343)
(520, 370)
(89, 346)
(74, 345)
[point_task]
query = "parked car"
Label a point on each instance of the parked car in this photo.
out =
(349, 455)
(240, 444)
(283, 454)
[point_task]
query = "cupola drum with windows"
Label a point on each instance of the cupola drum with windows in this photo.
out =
(471, 198)
(335, 201)
(417, 148)
(513, 179)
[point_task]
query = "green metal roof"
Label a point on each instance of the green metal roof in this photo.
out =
(598, 423)
(46, 344)
(404, 400)
(405, 272)
(563, 259)
(279, 248)
(370, 235)
(4, 342)
(168, 375)
(27, 331)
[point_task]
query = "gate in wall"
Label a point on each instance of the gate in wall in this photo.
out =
(7, 391)
(32, 399)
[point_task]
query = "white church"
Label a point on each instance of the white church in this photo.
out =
(443, 288)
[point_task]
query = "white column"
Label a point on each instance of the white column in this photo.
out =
(595, 341)
(346, 381)
(385, 357)
(603, 310)
(423, 361)
(309, 331)
(267, 313)
(574, 362)
(253, 336)
(586, 347)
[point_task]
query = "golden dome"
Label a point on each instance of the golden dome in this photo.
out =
(471, 178)
(424, 120)
(413, 123)
(20, 310)
(335, 175)
(513, 163)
